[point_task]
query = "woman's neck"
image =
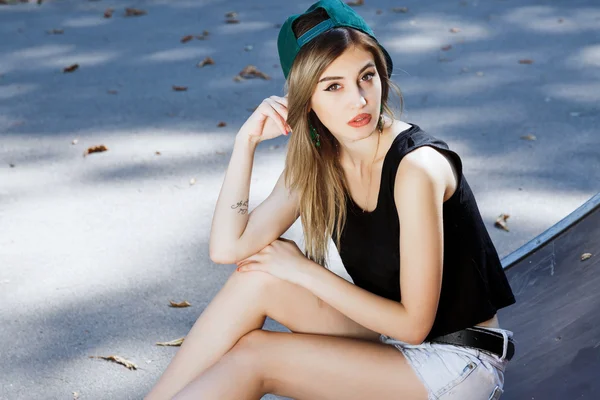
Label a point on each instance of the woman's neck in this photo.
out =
(359, 154)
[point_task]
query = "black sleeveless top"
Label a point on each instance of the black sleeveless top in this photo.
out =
(474, 285)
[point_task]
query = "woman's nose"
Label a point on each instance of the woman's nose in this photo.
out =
(360, 102)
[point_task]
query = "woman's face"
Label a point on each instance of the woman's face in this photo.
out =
(348, 87)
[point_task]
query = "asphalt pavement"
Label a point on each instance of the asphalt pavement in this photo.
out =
(93, 248)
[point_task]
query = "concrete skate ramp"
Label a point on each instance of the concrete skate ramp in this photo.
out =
(556, 320)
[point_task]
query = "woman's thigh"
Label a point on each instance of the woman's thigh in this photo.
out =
(307, 366)
(299, 310)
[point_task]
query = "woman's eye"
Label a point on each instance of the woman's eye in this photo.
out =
(329, 88)
(370, 76)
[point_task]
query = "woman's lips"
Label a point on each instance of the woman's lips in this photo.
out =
(364, 121)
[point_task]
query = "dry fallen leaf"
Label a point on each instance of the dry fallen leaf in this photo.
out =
(403, 10)
(501, 222)
(454, 30)
(12, 2)
(250, 71)
(134, 12)
(118, 360)
(232, 17)
(179, 88)
(175, 342)
(221, 124)
(447, 47)
(108, 12)
(95, 149)
(71, 68)
(183, 304)
(204, 35)
(56, 32)
(525, 61)
(157, 153)
(356, 3)
(529, 137)
(585, 256)
(187, 38)
(206, 61)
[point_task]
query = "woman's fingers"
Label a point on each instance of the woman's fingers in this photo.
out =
(279, 114)
(282, 106)
(253, 258)
(281, 100)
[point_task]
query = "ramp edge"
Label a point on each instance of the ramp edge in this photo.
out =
(552, 232)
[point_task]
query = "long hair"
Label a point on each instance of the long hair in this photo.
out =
(316, 173)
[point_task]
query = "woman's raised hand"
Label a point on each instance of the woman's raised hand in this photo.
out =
(268, 120)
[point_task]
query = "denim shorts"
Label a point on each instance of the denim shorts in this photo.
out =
(452, 372)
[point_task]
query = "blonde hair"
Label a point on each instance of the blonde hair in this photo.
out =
(316, 173)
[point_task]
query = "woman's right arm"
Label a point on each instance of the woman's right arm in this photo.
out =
(235, 233)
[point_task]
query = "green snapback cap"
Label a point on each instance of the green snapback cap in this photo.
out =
(340, 14)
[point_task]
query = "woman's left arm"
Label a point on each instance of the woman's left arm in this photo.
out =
(423, 178)
(422, 181)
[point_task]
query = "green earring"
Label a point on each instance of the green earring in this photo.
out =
(314, 136)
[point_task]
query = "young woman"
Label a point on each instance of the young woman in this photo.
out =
(420, 321)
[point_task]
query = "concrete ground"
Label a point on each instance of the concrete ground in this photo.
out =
(93, 248)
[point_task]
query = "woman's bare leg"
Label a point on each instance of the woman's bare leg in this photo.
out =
(237, 375)
(240, 307)
(306, 366)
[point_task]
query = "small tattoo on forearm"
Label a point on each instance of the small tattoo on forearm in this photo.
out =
(241, 206)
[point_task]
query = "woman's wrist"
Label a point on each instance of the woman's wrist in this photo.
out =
(307, 272)
(245, 140)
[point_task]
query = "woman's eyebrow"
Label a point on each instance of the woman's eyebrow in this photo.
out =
(332, 78)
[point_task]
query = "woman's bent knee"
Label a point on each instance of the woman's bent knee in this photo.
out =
(254, 278)
(256, 286)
